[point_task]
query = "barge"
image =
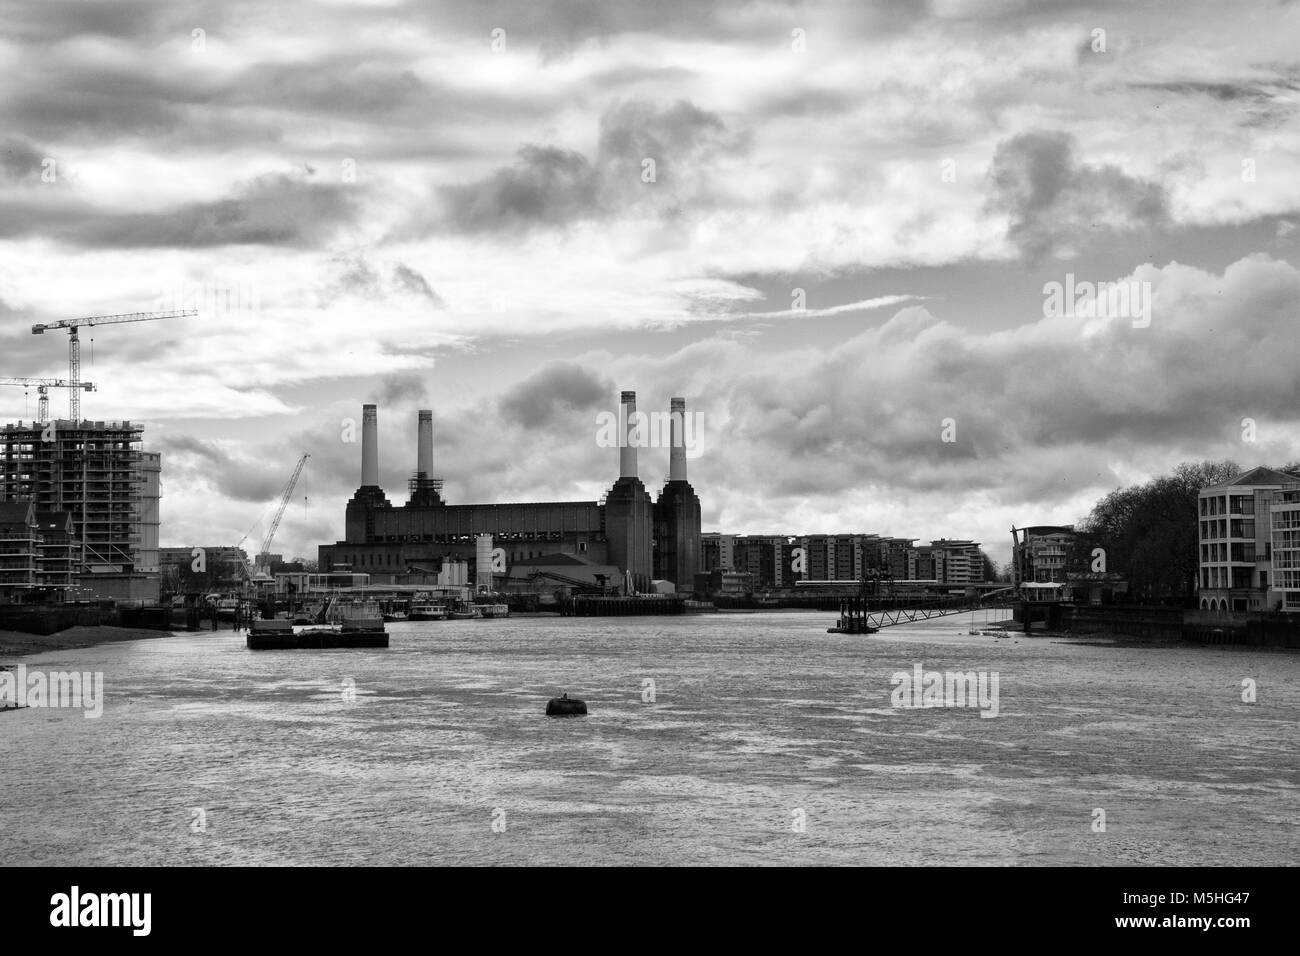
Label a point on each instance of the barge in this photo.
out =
(279, 635)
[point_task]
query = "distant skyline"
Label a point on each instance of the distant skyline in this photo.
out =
(855, 212)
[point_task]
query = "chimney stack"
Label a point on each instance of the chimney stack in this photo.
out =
(627, 451)
(424, 445)
(677, 450)
(369, 446)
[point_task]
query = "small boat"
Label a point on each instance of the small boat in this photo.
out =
(493, 610)
(427, 612)
(466, 614)
(565, 706)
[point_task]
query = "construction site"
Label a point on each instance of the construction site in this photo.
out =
(79, 498)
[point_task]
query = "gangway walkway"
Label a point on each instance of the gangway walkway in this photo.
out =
(923, 609)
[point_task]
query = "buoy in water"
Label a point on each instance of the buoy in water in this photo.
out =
(565, 706)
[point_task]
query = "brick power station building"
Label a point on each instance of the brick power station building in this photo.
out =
(643, 539)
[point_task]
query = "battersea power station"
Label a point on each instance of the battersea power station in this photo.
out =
(626, 542)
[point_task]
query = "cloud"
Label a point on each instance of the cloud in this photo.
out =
(558, 388)
(399, 390)
(19, 160)
(674, 136)
(552, 187)
(410, 280)
(1051, 199)
(880, 302)
(547, 186)
(277, 209)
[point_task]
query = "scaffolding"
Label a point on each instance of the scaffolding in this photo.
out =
(93, 470)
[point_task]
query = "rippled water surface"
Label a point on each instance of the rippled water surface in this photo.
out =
(759, 722)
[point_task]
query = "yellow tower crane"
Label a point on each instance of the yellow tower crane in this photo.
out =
(74, 343)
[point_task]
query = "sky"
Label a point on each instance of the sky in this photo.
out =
(833, 227)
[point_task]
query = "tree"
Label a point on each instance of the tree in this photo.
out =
(990, 569)
(1149, 532)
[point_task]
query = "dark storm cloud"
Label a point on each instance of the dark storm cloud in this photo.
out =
(113, 100)
(1054, 201)
(411, 281)
(546, 186)
(187, 445)
(19, 160)
(1265, 103)
(673, 136)
(356, 276)
(44, 21)
(276, 209)
(555, 27)
(561, 388)
(189, 459)
(249, 481)
(404, 389)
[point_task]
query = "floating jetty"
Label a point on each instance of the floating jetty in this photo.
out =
(279, 635)
(590, 606)
(853, 618)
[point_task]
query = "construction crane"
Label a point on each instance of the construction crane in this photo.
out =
(74, 343)
(279, 513)
(43, 386)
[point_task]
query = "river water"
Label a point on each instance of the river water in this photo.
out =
(768, 741)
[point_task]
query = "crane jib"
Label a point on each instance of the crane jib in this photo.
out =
(74, 383)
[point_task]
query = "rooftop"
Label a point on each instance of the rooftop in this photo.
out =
(1256, 476)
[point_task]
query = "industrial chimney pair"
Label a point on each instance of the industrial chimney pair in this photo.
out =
(370, 445)
(677, 439)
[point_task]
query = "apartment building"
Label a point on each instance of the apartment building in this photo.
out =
(1235, 524)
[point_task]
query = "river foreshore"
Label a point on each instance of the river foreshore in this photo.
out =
(15, 644)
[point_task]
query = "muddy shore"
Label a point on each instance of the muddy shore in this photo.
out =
(15, 644)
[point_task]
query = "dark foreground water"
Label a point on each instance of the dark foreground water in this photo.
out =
(762, 726)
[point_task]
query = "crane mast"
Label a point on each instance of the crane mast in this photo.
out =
(74, 343)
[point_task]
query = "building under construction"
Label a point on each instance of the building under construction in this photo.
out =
(642, 539)
(97, 474)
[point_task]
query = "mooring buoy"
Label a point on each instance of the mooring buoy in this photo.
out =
(565, 706)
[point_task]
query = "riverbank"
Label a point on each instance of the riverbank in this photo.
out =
(19, 644)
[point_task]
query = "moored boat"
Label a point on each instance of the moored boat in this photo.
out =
(427, 612)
